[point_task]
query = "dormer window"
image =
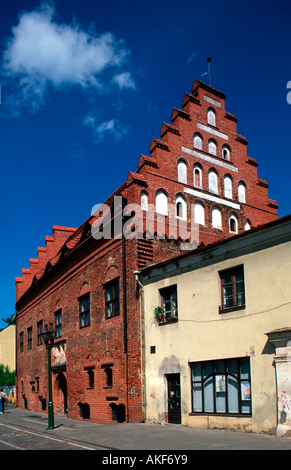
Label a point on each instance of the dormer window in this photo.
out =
(211, 118)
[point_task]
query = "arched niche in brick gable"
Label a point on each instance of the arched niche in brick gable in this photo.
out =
(199, 213)
(197, 141)
(111, 273)
(228, 186)
(161, 202)
(216, 217)
(211, 117)
(182, 168)
(226, 152)
(84, 289)
(212, 146)
(241, 189)
(213, 186)
(144, 200)
(233, 223)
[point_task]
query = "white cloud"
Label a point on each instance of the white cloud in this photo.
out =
(42, 52)
(124, 80)
(112, 127)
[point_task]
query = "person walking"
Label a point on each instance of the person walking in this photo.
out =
(3, 400)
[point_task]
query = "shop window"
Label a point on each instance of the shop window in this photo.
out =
(221, 386)
(232, 289)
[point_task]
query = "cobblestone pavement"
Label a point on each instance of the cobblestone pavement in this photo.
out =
(68, 434)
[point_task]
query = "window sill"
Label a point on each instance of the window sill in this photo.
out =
(168, 321)
(222, 309)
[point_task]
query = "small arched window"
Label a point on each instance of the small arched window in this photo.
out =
(232, 224)
(216, 218)
(181, 207)
(161, 203)
(197, 142)
(144, 201)
(225, 153)
(227, 187)
(199, 213)
(182, 172)
(197, 176)
(212, 147)
(241, 193)
(211, 118)
(213, 182)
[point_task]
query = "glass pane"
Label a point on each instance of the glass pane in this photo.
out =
(207, 369)
(227, 279)
(208, 395)
(227, 291)
(219, 367)
(232, 390)
(109, 293)
(109, 310)
(82, 306)
(245, 368)
(116, 307)
(196, 371)
(87, 301)
(116, 291)
(197, 397)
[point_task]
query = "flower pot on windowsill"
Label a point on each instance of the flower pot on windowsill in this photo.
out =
(159, 314)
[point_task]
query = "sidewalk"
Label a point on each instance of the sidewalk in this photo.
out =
(140, 436)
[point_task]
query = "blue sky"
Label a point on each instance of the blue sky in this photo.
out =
(86, 84)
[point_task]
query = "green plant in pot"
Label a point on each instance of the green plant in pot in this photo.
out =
(159, 314)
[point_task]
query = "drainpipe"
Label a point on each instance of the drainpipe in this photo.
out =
(143, 356)
(124, 279)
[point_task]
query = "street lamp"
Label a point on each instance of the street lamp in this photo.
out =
(49, 335)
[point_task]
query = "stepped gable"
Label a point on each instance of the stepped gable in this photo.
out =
(211, 144)
(37, 265)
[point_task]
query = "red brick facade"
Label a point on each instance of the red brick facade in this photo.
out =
(97, 366)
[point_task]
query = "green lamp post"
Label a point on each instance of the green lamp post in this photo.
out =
(49, 335)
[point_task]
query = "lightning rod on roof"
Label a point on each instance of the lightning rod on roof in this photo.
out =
(208, 71)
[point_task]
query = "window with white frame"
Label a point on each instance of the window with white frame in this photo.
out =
(233, 224)
(181, 207)
(225, 153)
(197, 176)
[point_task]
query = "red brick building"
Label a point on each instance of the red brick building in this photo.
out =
(198, 171)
